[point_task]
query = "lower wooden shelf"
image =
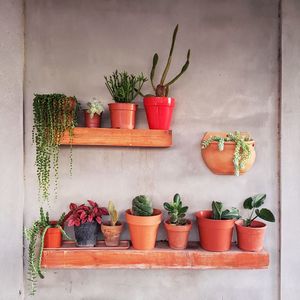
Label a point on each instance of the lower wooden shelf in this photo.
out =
(162, 257)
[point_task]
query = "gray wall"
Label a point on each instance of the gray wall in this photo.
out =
(231, 84)
(11, 141)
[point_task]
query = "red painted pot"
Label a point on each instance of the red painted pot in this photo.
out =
(53, 238)
(159, 111)
(93, 122)
(122, 115)
(214, 235)
(250, 238)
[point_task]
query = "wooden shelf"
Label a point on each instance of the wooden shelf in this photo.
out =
(162, 257)
(119, 137)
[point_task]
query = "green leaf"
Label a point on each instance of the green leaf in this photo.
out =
(265, 214)
(217, 209)
(176, 198)
(258, 200)
(230, 214)
(248, 203)
(167, 206)
(184, 209)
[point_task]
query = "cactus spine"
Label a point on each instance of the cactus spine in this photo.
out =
(142, 206)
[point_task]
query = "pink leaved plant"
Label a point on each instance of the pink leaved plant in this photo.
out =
(85, 213)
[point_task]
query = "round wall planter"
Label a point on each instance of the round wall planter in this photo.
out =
(143, 229)
(111, 234)
(214, 235)
(53, 238)
(93, 122)
(178, 235)
(159, 111)
(250, 238)
(122, 115)
(221, 162)
(86, 234)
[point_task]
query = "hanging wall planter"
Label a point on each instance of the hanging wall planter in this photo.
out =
(228, 153)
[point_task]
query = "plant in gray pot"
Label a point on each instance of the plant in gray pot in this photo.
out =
(86, 220)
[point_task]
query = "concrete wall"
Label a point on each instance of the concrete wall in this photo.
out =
(11, 141)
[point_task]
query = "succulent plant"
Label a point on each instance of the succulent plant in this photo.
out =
(253, 203)
(94, 107)
(242, 151)
(142, 206)
(123, 87)
(219, 214)
(112, 213)
(162, 89)
(176, 211)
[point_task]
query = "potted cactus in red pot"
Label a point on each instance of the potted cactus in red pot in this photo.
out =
(250, 232)
(177, 226)
(86, 220)
(159, 107)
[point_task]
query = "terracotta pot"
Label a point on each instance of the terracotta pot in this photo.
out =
(122, 115)
(178, 235)
(250, 238)
(93, 122)
(159, 112)
(86, 234)
(214, 235)
(221, 162)
(53, 238)
(111, 233)
(143, 229)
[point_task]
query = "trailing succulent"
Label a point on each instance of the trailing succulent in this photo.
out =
(253, 203)
(142, 206)
(176, 211)
(53, 114)
(123, 87)
(94, 107)
(112, 213)
(242, 151)
(162, 89)
(33, 234)
(218, 213)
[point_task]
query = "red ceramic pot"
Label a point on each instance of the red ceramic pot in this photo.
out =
(53, 238)
(122, 115)
(93, 122)
(159, 111)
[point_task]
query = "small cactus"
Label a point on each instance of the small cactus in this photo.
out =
(142, 206)
(112, 213)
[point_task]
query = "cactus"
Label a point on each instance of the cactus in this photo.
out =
(142, 206)
(162, 89)
(112, 213)
(176, 211)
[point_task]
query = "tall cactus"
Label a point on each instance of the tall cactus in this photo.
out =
(142, 206)
(162, 89)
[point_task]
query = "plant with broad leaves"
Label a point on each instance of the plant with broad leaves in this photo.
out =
(253, 203)
(33, 234)
(94, 107)
(218, 213)
(112, 213)
(85, 213)
(242, 151)
(176, 211)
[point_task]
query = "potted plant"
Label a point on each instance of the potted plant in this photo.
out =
(250, 233)
(86, 220)
(216, 226)
(143, 222)
(92, 115)
(53, 114)
(177, 226)
(159, 107)
(123, 88)
(50, 235)
(228, 153)
(113, 229)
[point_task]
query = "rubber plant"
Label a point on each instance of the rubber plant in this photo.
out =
(242, 151)
(53, 114)
(33, 234)
(219, 213)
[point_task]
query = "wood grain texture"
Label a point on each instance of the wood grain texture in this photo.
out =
(162, 257)
(119, 137)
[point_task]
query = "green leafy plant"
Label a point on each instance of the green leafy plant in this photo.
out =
(53, 114)
(253, 203)
(162, 89)
(218, 213)
(242, 152)
(176, 211)
(142, 206)
(112, 213)
(123, 87)
(94, 107)
(33, 234)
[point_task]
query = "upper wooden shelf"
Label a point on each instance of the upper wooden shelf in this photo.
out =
(162, 257)
(119, 137)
